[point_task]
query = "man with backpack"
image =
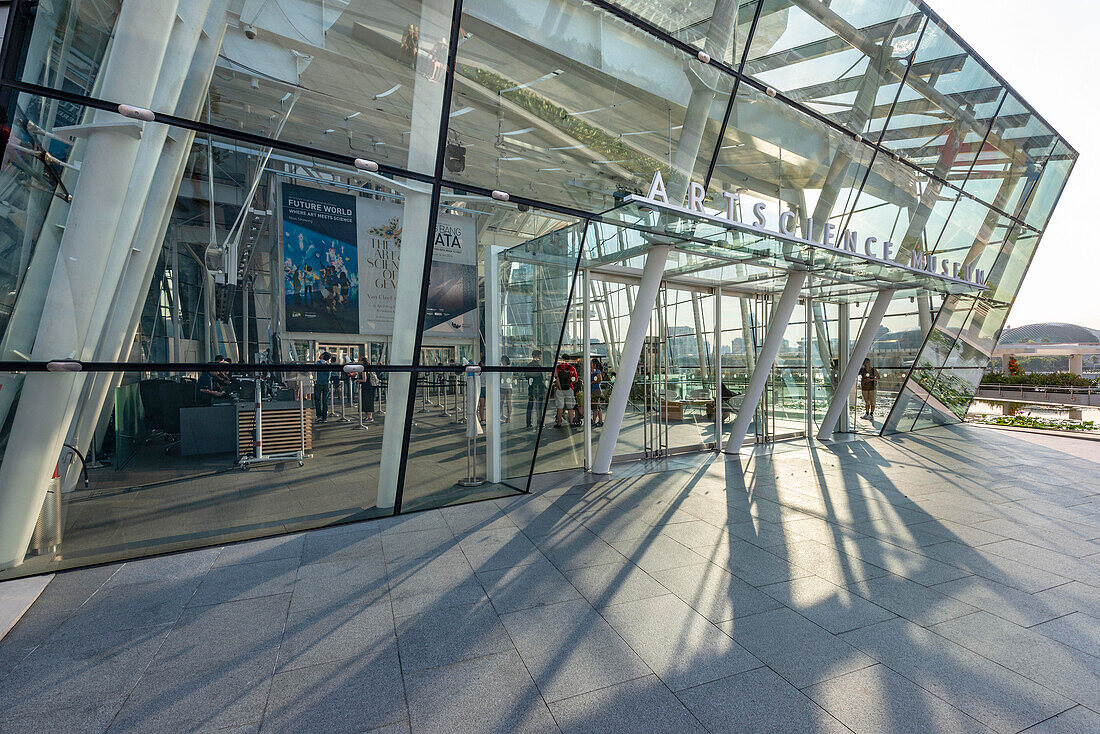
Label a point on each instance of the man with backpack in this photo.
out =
(565, 386)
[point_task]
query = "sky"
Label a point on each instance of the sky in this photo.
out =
(1047, 52)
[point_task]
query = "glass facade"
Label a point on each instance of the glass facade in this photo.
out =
(417, 187)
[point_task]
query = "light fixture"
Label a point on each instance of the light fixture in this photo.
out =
(704, 57)
(365, 165)
(136, 113)
(388, 92)
(352, 115)
(770, 92)
(500, 195)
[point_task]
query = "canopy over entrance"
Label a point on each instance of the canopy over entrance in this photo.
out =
(709, 251)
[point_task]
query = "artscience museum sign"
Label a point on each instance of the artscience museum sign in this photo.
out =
(849, 242)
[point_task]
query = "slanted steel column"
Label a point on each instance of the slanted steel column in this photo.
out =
(855, 361)
(628, 361)
(773, 340)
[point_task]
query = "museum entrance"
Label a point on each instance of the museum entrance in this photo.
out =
(710, 333)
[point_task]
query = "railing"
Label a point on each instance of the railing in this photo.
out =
(1053, 394)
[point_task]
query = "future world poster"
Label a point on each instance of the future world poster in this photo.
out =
(320, 261)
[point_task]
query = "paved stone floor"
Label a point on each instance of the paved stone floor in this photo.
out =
(948, 581)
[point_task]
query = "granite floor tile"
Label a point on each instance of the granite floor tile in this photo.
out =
(489, 550)
(996, 696)
(828, 562)
(1005, 601)
(613, 583)
(1078, 720)
(225, 632)
(876, 699)
(656, 552)
(131, 606)
(178, 567)
(1065, 670)
(795, 647)
(680, 645)
(232, 583)
(334, 633)
(714, 592)
(409, 548)
(1077, 630)
(444, 636)
(752, 564)
(980, 562)
(570, 649)
(80, 671)
(265, 549)
(488, 695)
(204, 699)
(354, 541)
(830, 606)
(757, 701)
(358, 581)
(641, 706)
(577, 547)
(909, 599)
(526, 586)
(348, 696)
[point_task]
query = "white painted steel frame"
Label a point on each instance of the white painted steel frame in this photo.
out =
(851, 370)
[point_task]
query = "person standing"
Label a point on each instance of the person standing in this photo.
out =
(321, 388)
(505, 390)
(368, 390)
(565, 391)
(597, 378)
(536, 385)
(868, 385)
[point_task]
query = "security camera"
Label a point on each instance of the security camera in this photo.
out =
(249, 31)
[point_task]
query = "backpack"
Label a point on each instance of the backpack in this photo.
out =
(565, 379)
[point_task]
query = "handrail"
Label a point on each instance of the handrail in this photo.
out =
(74, 365)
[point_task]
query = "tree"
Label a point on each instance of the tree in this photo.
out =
(1014, 367)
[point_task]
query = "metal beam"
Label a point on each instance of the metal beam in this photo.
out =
(855, 361)
(632, 350)
(781, 317)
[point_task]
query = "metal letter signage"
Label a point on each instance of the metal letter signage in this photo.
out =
(845, 241)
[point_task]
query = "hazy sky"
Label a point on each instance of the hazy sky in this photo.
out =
(1047, 52)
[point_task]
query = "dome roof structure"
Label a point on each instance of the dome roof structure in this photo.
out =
(1050, 333)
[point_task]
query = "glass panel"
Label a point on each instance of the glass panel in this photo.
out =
(1040, 206)
(852, 77)
(944, 111)
(901, 205)
(165, 469)
(705, 24)
(537, 283)
(1012, 160)
(903, 413)
(973, 236)
(575, 112)
(292, 74)
(774, 154)
(1007, 274)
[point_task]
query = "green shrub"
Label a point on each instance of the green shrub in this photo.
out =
(1055, 379)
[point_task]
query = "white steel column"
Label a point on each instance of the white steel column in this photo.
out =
(586, 335)
(628, 360)
(427, 110)
(924, 314)
(41, 424)
(773, 340)
(493, 407)
(855, 361)
(718, 402)
(843, 339)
